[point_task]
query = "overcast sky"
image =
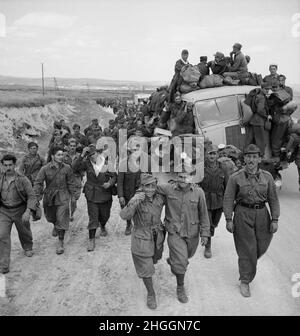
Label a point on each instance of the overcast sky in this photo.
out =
(142, 39)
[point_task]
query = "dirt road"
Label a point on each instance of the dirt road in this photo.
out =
(104, 282)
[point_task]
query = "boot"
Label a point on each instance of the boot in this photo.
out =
(60, 247)
(91, 245)
(54, 232)
(103, 232)
(245, 289)
(151, 299)
(128, 228)
(181, 295)
(207, 250)
(28, 253)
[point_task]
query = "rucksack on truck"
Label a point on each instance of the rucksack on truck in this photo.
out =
(190, 73)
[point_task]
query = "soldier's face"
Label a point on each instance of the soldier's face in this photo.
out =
(212, 156)
(8, 166)
(33, 150)
(273, 70)
(183, 180)
(282, 81)
(150, 189)
(177, 99)
(72, 146)
(58, 156)
(76, 130)
(185, 56)
(252, 161)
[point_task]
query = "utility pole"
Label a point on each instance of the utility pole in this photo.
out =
(43, 86)
(56, 87)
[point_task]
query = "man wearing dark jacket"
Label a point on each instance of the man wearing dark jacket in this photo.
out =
(282, 85)
(219, 65)
(203, 67)
(128, 183)
(97, 190)
(255, 130)
(17, 201)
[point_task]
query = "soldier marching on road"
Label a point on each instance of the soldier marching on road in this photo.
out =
(148, 234)
(186, 220)
(60, 188)
(247, 193)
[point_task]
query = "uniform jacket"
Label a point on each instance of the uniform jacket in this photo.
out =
(127, 184)
(24, 189)
(272, 80)
(213, 185)
(261, 110)
(186, 211)
(239, 63)
(241, 187)
(31, 165)
(93, 189)
(60, 184)
(146, 217)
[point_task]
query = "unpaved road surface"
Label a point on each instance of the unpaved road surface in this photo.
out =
(104, 282)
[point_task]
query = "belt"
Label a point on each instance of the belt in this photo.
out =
(12, 207)
(253, 206)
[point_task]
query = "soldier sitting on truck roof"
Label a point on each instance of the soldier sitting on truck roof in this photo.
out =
(239, 68)
(219, 65)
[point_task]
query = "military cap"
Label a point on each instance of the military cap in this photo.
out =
(147, 178)
(76, 126)
(219, 54)
(273, 65)
(212, 148)
(237, 45)
(32, 144)
(184, 51)
(203, 58)
(95, 120)
(251, 149)
(282, 76)
(266, 85)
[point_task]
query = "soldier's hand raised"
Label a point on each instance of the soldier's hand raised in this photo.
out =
(273, 226)
(138, 197)
(229, 226)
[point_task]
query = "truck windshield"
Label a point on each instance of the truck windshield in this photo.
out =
(216, 111)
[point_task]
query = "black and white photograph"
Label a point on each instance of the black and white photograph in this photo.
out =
(149, 160)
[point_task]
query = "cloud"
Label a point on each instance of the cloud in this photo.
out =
(45, 20)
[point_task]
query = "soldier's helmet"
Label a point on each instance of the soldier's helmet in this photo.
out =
(252, 149)
(147, 178)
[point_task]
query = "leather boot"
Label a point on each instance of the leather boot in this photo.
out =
(181, 295)
(54, 232)
(60, 247)
(245, 289)
(128, 229)
(91, 245)
(103, 232)
(207, 250)
(151, 299)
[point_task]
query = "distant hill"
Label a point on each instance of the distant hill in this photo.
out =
(79, 83)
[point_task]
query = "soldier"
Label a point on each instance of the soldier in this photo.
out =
(247, 193)
(71, 156)
(186, 219)
(81, 139)
(148, 234)
(17, 201)
(97, 190)
(32, 162)
(213, 185)
(273, 78)
(60, 188)
(127, 184)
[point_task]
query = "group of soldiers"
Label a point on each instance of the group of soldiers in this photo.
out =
(192, 211)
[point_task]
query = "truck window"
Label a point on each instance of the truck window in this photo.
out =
(215, 111)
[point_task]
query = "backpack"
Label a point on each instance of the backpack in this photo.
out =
(250, 99)
(211, 81)
(190, 73)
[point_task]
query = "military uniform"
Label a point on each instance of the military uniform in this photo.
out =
(186, 218)
(246, 196)
(16, 196)
(148, 234)
(60, 187)
(31, 165)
